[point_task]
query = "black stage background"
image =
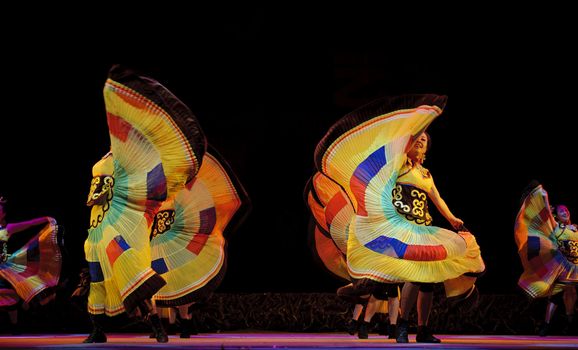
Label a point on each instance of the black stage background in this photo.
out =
(266, 88)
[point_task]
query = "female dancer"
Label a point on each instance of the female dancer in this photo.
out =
(375, 155)
(31, 273)
(548, 248)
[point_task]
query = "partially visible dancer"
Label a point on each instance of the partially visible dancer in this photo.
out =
(188, 237)
(30, 274)
(156, 150)
(383, 298)
(375, 155)
(548, 248)
(332, 214)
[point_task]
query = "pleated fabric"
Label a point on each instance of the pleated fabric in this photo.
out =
(548, 250)
(161, 205)
(188, 243)
(31, 273)
(332, 213)
(157, 147)
(363, 154)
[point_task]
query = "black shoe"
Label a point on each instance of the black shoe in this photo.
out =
(185, 335)
(424, 335)
(391, 331)
(158, 329)
(188, 327)
(97, 336)
(168, 329)
(544, 329)
(401, 333)
(570, 325)
(352, 327)
(194, 325)
(362, 331)
(162, 337)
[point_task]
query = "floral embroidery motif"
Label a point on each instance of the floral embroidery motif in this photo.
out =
(569, 249)
(163, 221)
(3, 252)
(100, 196)
(411, 202)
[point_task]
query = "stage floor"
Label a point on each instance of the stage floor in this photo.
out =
(285, 341)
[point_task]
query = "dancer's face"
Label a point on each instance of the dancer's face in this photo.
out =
(563, 214)
(421, 142)
(419, 148)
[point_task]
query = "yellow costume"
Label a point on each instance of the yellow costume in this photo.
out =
(548, 250)
(388, 238)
